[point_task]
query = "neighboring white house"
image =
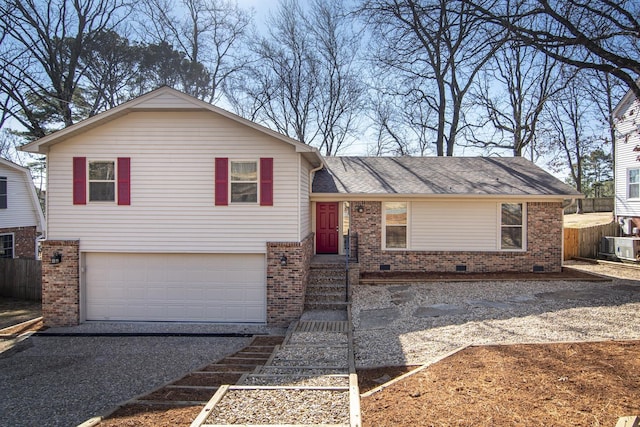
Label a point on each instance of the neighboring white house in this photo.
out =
(627, 163)
(21, 219)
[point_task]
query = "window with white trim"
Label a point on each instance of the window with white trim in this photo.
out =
(102, 181)
(6, 245)
(395, 217)
(244, 181)
(512, 226)
(633, 178)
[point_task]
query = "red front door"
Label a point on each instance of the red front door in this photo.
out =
(327, 228)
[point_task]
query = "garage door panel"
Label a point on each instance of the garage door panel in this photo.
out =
(175, 287)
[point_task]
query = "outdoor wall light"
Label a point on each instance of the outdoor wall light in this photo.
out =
(360, 209)
(283, 260)
(56, 258)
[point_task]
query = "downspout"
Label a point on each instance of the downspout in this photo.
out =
(311, 174)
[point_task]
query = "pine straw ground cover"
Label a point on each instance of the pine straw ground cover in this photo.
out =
(578, 384)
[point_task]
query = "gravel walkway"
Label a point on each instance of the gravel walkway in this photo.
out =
(419, 323)
(63, 381)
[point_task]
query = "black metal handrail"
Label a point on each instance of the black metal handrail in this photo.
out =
(350, 243)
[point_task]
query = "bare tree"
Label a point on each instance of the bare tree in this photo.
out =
(305, 81)
(511, 94)
(605, 92)
(601, 35)
(341, 92)
(569, 116)
(207, 32)
(436, 49)
(390, 135)
(40, 55)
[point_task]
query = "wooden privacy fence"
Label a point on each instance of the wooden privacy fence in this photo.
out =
(21, 278)
(584, 242)
(600, 204)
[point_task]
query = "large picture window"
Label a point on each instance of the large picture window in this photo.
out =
(634, 184)
(102, 181)
(512, 226)
(395, 225)
(6, 245)
(244, 182)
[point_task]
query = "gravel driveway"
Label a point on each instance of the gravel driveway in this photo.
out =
(63, 381)
(420, 323)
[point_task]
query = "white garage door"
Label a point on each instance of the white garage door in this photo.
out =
(175, 287)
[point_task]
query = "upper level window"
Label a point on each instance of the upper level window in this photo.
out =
(634, 184)
(102, 181)
(6, 245)
(395, 225)
(244, 182)
(3, 192)
(512, 226)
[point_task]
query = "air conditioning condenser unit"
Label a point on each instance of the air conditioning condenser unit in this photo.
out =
(628, 248)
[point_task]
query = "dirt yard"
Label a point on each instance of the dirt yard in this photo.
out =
(585, 384)
(587, 219)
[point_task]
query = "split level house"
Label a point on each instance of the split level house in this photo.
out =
(626, 117)
(167, 208)
(21, 219)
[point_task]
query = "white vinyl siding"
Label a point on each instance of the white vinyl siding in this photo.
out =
(20, 211)
(172, 187)
(627, 154)
(305, 204)
(454, 226)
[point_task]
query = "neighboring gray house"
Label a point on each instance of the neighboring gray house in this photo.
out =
(21, 219)
(169, 208)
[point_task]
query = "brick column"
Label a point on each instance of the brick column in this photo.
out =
(61, 283)
(544, 230)
(287, 285)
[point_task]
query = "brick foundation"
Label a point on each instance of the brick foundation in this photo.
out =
(544, 246)
(24, 241)
(61, 283)
(287, 285)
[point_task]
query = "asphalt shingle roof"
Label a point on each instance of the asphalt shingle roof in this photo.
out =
(437, 176)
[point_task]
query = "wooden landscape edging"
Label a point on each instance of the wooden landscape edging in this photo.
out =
(632, 421)
(415, 371)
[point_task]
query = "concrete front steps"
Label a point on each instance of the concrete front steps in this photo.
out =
(327, 288)
(309, 380)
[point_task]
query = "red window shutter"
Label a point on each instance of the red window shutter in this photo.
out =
(266, 181)
(79, 180)
(124, 180)
(222, 181)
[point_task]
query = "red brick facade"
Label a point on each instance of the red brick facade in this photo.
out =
(287, 285)
(544, 246)
(61, 283)
(24, 241)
